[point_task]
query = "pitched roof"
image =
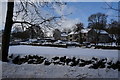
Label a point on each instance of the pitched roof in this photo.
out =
(103, 32)
(85, 30)
(64, 34)
(73, 33)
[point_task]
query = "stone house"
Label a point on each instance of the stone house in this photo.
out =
(58, 35)
(89, 35)
(102, 37)
(75, 36)
(85, 35)
(64, 36)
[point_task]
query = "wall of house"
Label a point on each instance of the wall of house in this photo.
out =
(104, 38)
(73, 37)
(91, 36)
(64, 38)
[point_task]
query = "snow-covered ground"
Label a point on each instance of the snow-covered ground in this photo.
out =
(73, 51)
(58, 71)
(55, 71)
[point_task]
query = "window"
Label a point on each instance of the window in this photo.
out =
(70, 35)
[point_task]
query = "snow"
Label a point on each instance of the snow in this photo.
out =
(58, 42)
(11, 70)
(57, 71)
(85, 30)
(61, 42)
(64, 35)
(83, 52)
(72, 33)
(32, 39)
(107, 44)
(103, 32)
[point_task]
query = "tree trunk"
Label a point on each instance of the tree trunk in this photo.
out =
(81, 40)
(7, 31)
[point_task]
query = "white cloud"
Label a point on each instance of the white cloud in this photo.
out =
(68, 23)
(65, 23)
(64, 9)
(59, 9)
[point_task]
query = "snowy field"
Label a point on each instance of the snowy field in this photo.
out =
(59, 71)
(54, 51)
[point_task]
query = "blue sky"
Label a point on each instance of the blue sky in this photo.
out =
(82, 10)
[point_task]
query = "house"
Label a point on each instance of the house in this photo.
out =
(104, 37)
(89, 35)
(100, 36)
(58, 35)
(64, 36)
(77, 36)
(73, 36)
(84, 33)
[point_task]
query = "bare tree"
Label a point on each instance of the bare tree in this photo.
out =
(57, 34)
(77, 28)
(28, 14)
(114, 31)
(111, 7)
(115, 26)
(7, 31)
(98, 22)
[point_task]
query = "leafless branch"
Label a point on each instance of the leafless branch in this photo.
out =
(110, 7)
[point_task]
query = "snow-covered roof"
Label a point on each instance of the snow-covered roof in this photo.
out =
(103, 32)
(85, 30)
(49, 38)
(64, 34)
(73, 33)
(82, 31)
(32, 39)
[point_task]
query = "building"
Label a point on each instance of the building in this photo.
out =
(58, 35)
(85, 35)
(78, 36)
(89, 35)
(73, 36)
(94, 36)
(64, 36)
